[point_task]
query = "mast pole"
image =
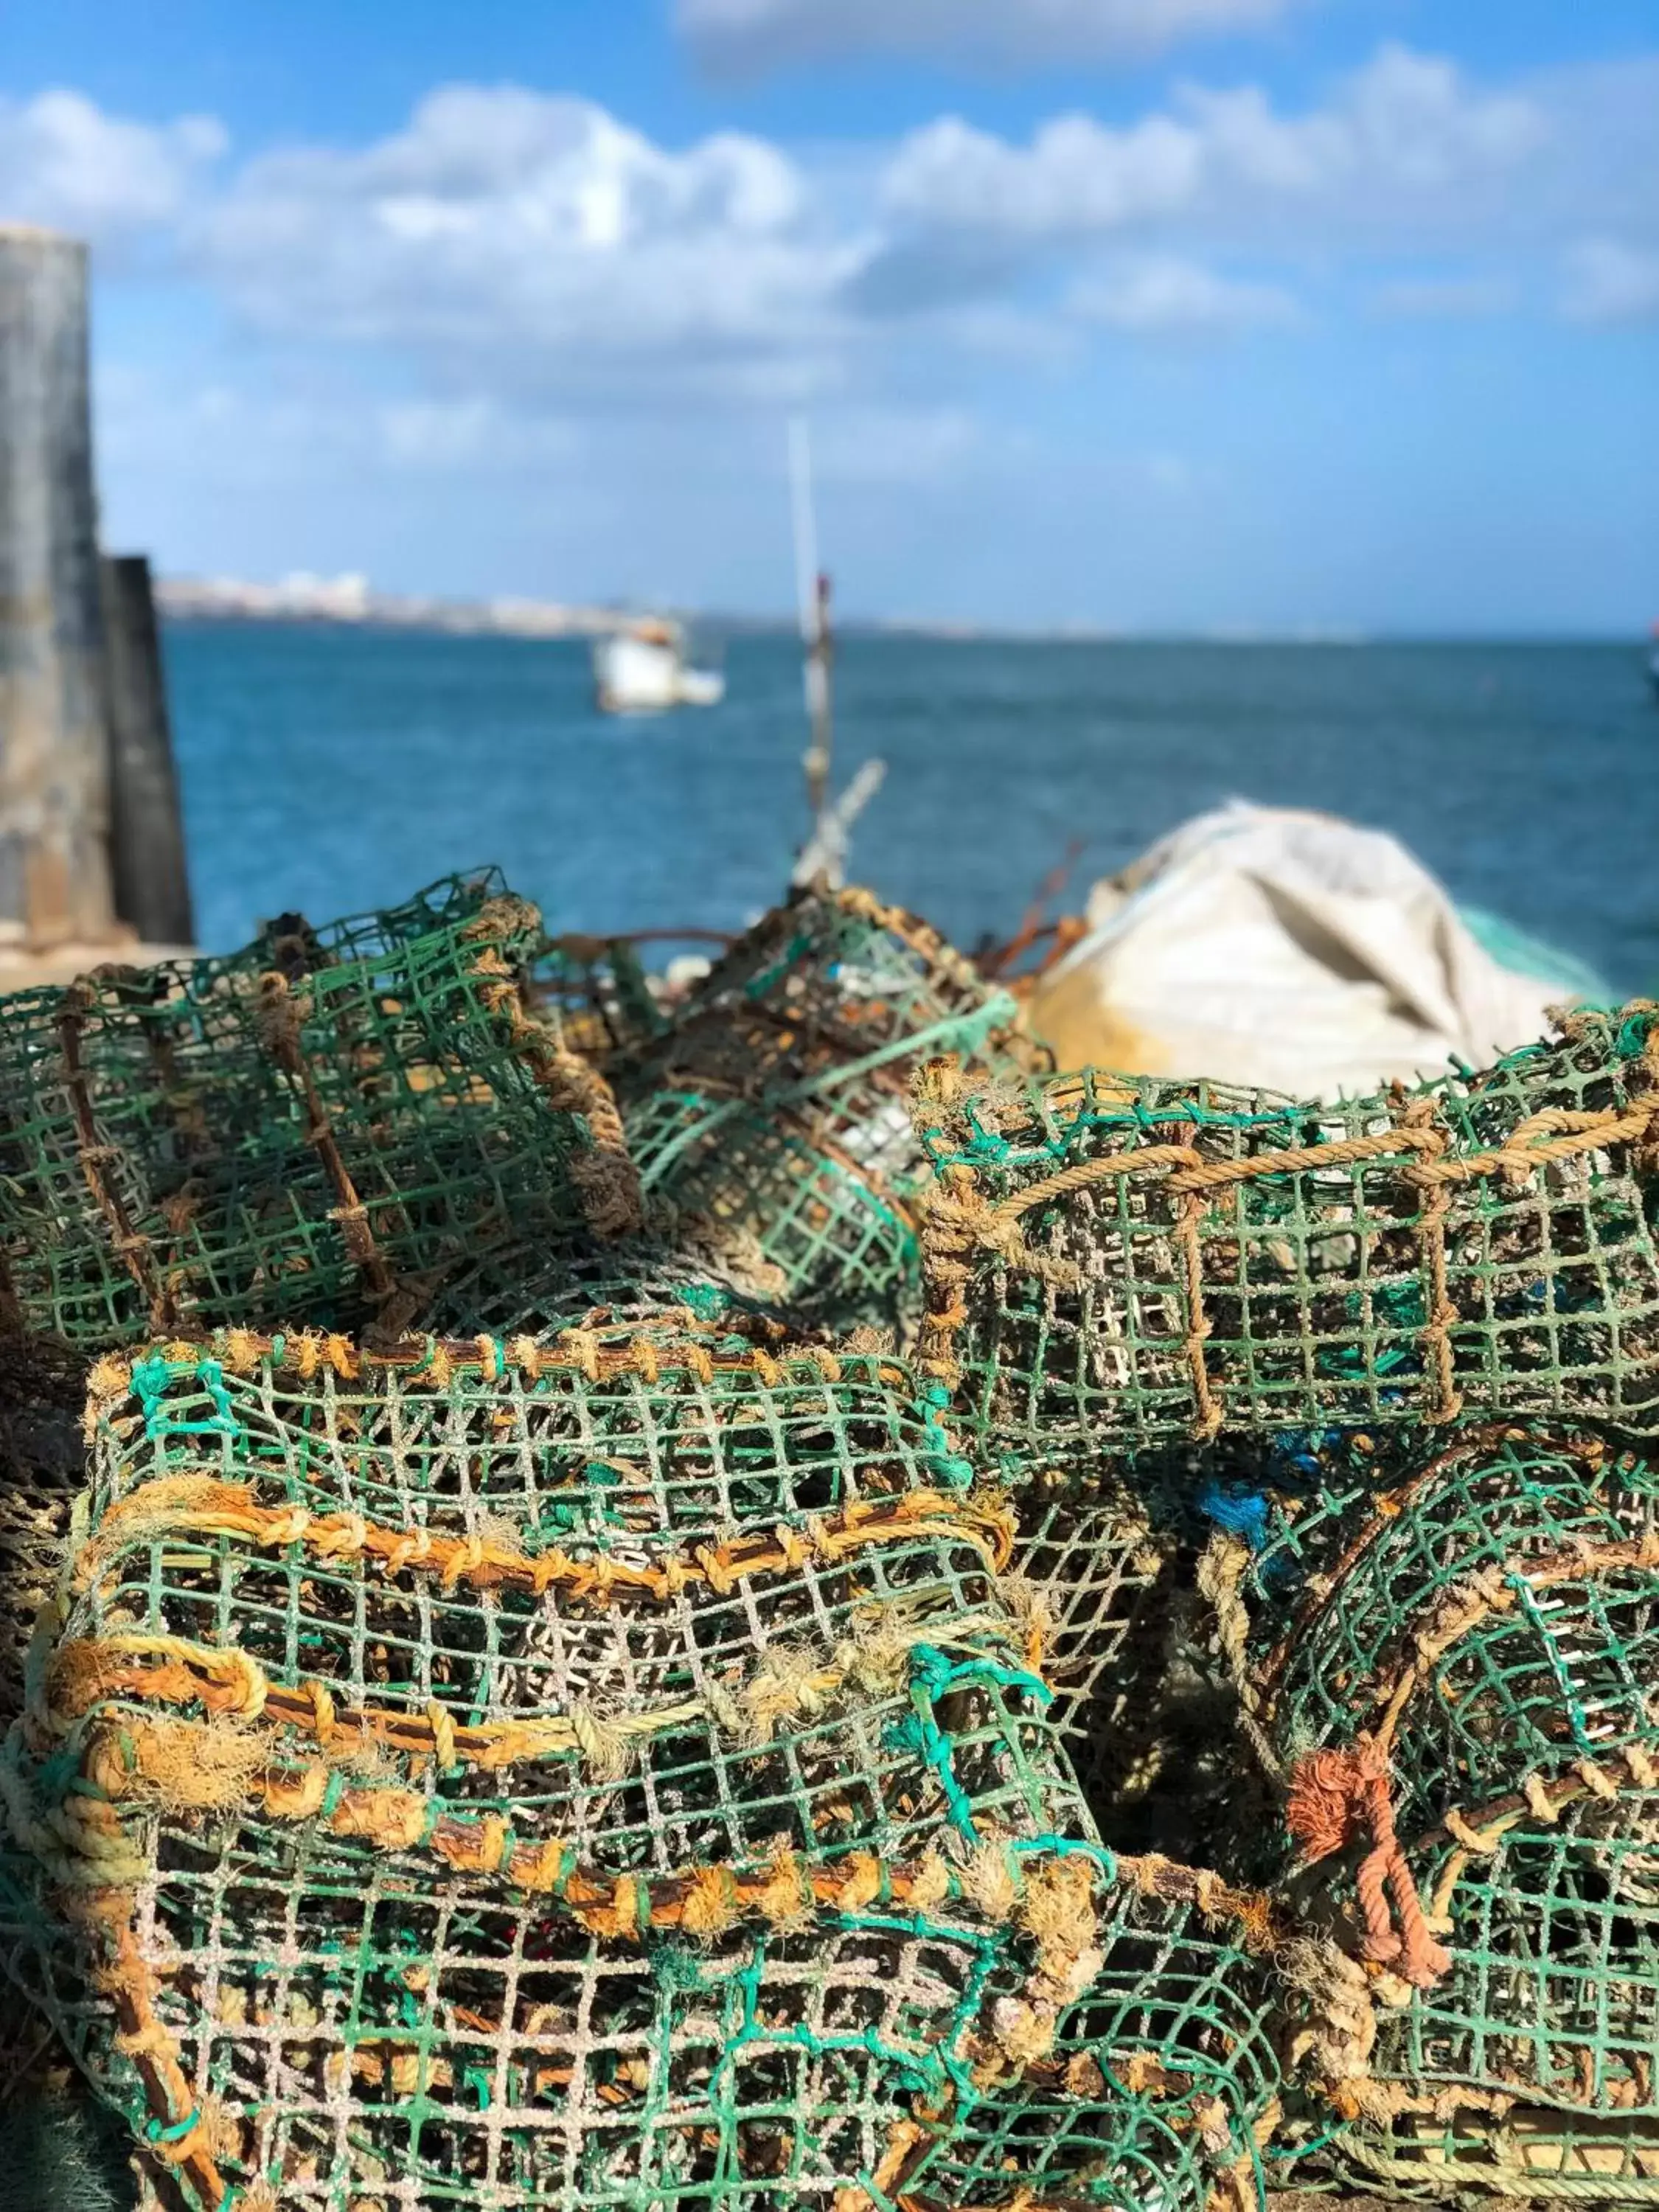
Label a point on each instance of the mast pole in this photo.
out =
(812, 588)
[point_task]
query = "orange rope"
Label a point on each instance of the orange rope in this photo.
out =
(1337, 1797)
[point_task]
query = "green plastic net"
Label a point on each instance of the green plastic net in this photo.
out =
(1528, 2067)
(1453, 1679)
(598, 990)
(773, 1113)
(319, 1128)
(1102, 1579)
(627, 1285)
(1492, 1617)
(550, 1773)
(1115, 1262)
(42, 1467)
(1163, 2089)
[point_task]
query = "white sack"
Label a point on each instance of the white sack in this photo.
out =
(1293, 950)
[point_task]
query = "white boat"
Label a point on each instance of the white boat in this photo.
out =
(642, 670)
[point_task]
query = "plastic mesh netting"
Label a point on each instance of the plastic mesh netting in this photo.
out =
(1161, 2090)
(1100, 1577)
(318, 1128)
(1528, 2067)
(550, 1773)
(1454, 1678)
(627, 1285)
(599, 992)
(42, 1466)
(774, 1109)
(1493, 1617)
(1124, 1261)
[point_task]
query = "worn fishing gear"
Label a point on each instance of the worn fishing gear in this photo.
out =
(552, 1693)
(1114, 1263)
(1452, 1680)
(322, 1127)
(771, 1119)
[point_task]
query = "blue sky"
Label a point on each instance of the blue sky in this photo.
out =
(1167, 313)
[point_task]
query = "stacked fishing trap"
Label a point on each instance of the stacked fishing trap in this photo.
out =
(770, 1121)
(758, 1603)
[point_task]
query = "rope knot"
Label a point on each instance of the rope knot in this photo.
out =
(1340, 1797)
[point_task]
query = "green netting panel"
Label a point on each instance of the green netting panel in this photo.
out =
(1122, 1261)
(1533, 2155)
(319, 1128)
(775, 1107)
(63, 2154)
(1162, 2088)
(356, 2046)
(1493, 1618)
(416, 1719)
(42, 1468)
(760, 1688)
(612, 1288)
(702, 1436)
(791, 1222)
(599, 992)
(1100, 1580)
(1528, 2068)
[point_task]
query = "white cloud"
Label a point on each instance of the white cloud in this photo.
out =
(66, 165)
(753, 34)
(1077, 176)
(473, 434)
(896, 445)
(1610, 282)
(1404, 127)
(535, 229)
(1427, 299)
(1161, 295)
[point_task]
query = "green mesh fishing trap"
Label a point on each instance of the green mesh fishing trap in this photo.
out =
(1494, 1616)
(42, 1468)
(599, 993)
(553, 1774)
(1102, 1578)
(773, 1111)
(1115, 1262)
(1163, 2089)
(319, 1128)
(629, 1283)
(1454, 1679)
(1528, 2067)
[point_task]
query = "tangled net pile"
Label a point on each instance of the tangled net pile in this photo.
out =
(728, 1650)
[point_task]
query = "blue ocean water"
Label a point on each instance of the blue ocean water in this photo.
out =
(327, 770)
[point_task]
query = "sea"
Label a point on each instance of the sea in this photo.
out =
(328, 770)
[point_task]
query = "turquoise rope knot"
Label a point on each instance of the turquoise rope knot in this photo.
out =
(938, 1456)
(153, 1377)
(933, 1676)
(159, 2131)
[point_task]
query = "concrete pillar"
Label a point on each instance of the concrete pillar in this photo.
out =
(55, 880)
(152, 886)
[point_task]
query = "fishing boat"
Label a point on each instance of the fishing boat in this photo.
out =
(642, 670)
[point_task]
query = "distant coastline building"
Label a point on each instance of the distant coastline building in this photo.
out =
(350, 600)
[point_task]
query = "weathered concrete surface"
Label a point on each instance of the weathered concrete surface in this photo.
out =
(55, 878)
(152, 887)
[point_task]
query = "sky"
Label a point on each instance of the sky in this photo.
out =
(1289, 315)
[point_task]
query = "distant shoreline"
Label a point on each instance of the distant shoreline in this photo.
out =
(735, 626)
